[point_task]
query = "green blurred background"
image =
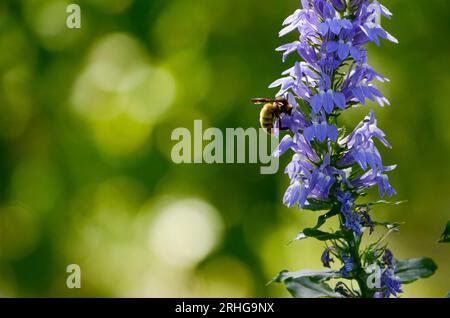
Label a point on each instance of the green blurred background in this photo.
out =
(85, 123)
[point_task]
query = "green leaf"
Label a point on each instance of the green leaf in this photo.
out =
(342, 132)
(308, 283)
(409, 270)
(323, 218)
(445, 237)
(316, 275)
(306, 287)
(321, 235)
(316, 205)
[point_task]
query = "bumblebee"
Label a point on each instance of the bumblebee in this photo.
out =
(271, 111)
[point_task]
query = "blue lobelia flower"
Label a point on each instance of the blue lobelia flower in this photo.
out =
(376, 177)
(299, 145)
(352, 221)
(293, 81)
(339, 5)
(343, 48)
(357, 86)
(326, 98)
(326, 39)
(348, 265)
(331, 75)
(368, 15)
(361, 147)
(326, 258)
(321, 130)
(331, 22)
(390, 284)
(388, 258)
(308, 179)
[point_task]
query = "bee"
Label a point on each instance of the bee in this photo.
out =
(271, 111)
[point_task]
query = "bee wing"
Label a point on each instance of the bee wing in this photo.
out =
(262, 100)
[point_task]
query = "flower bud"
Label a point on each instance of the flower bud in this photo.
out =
(355, 4)
(339, 4)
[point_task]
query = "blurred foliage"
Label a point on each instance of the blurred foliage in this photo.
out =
(445, 237)
(85, 125)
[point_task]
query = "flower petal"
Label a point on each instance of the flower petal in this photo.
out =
(328, 101)
(339, 100)
(321, 131)
(332, 132)
(292, 194)
(343, 51)
(284, 145)
(316, 103)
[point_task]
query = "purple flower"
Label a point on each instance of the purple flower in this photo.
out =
(305, 51)
(348, 265)
(388, 258)
(361, 147)
(366, 130)
(303, 20)
(339, 5)
(364, 153)
(332, 34)
(321, 181)
(374, 31)
(285, 84)
(334, 25)
(376, 177)
(352, 221)
(364, 90)
(343, 49)
(367, 17)
(293, 22)
(296, 192)
(326, 100)
(355, 4)
(308, 180)
(326, 258)
(357, 86)
(288, 49)
(299, 145)
(390, 284)
(293, 81)
(326, 39)
(321, 130)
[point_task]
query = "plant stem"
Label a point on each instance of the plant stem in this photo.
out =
(360, 274)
